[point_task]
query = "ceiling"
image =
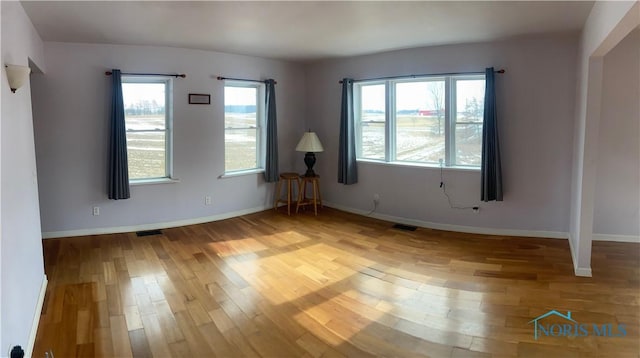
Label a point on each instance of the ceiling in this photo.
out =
(300, 31)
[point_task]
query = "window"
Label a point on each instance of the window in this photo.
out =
(148, 122)
(421, 120)
(243, 123)
(469, 113)
(372, 111)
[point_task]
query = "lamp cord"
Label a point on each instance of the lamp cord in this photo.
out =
(444, 191)
(375, 206)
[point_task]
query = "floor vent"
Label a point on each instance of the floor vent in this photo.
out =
(404, 227)
(149, 232)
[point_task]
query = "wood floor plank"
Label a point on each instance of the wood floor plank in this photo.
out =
(217, 341)
(332, 285)
(120, 337)
(197, 343)
(157, 340)
(180, 349)
(132, 317)
(139, 344)
(84, 327)
(102, 339)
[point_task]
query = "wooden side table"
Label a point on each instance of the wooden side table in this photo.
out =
(315, 198)
(289, 178)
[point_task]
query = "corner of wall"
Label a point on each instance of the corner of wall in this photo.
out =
(578, 271)
(36, 317)
(606, 25)
(21, 244)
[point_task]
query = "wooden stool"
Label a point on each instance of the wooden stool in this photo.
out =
(315, 198)
(288, 178)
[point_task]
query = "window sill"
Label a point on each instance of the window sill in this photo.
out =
(241, 173)
(417, 165)
(153, 181)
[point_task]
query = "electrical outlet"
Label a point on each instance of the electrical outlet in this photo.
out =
(96, 210)
(376, 198)
(207, 200)
(476, 209)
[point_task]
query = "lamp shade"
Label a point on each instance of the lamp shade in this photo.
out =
(17, 76)
(309, 143)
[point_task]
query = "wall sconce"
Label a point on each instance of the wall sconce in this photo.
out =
(17, 76)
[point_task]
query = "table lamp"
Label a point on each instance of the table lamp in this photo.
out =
(311, 144)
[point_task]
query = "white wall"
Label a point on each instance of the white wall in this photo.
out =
(71, 110)
(535, 114)
(22, 269)
(608, 23)
(617, 193)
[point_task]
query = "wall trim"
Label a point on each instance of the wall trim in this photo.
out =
(616, 238)
(36, 317)
(578, 271)
(154, 226)
(452, 227)
(582, 271)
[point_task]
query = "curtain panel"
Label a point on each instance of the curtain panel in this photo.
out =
(491, 168)
(271, 161)
(347, 165)
(118, 165)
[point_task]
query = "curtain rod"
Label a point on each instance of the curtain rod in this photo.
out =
(424, 75)
(220, 78)
(176, 75)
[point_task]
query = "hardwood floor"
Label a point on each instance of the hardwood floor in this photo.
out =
(335, 285)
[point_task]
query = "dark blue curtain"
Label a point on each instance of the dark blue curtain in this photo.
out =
(271, 161)
(118, 166)
(347, 166)
(491, 169)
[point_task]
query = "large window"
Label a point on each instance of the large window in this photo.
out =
(421, 120)
(148, 121)
(243, 123)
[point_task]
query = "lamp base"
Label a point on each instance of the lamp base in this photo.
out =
(309, 160)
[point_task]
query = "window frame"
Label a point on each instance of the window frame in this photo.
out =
(450, 118)
(357, 96)
(168, 126)
(453, 113)
(260, 127)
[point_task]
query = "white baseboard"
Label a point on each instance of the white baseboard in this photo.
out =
(36, 317)
(154, 226)
(578, 271)
(582, 271)
(451, 227)
(616, 238)
(586, 271)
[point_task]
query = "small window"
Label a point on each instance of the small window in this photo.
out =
(372, 123)
(148, 121)
(421, 120)
(467, 126)
(243, 123)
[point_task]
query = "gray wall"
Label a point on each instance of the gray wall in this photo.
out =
(536, 114)
(71, 108)
(536, 111)
(21, 264)
(617, 197)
